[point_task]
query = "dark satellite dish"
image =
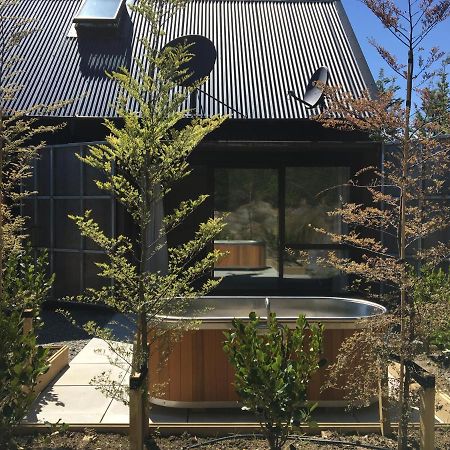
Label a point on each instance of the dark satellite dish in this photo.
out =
(201, 63)
(314, 93)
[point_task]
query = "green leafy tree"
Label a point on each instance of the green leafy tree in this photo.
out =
(141, 161)
(273, 366)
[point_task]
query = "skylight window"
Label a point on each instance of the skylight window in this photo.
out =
(105, 12)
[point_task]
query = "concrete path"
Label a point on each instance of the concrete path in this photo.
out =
(73, 397)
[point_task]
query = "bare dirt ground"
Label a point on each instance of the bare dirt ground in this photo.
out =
(93, 441)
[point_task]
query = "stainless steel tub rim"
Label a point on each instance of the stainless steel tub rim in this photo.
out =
(327, 310)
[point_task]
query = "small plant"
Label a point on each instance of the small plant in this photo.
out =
(25, 280)
(273, 367)
(25, 285)
(432, 297)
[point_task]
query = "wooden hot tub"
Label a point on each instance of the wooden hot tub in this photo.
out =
(250, 255)
(197, 372)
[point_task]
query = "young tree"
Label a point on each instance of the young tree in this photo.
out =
(19, 132)
(140, 162)
(401, 211)
(273, 367)
(23, 283)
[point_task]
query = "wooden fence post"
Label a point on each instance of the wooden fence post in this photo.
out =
(383, 402)
(27, 316)
(139, 426)
(427, 396)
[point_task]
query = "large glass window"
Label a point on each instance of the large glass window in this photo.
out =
(311, 193)
(271, 216)
(248, 200)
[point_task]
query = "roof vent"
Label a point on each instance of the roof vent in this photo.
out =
(99, 13)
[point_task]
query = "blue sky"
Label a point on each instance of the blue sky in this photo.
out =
(366, 26)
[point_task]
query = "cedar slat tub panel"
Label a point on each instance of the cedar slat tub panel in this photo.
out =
(206, 375)
(244, 254)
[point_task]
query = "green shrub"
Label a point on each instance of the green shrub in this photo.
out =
(432, 299)
(25, 285)
(273, 366)
(21, 362)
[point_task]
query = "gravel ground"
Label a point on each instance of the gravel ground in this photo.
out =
(75, 346)
(57, 329)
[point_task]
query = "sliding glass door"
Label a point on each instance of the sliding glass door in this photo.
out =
(272, 215)
(311, 193)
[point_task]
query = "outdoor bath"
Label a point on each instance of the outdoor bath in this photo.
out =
(197, 373)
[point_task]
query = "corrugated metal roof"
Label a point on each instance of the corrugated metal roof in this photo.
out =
(265, 48)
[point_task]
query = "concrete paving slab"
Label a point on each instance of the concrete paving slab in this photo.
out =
(83, 374)
(70, 404)
(117, 412)
(443, 407)
(97, 351)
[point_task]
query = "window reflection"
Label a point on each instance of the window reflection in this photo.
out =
(247, 199)
(311, 192)
(308, 265)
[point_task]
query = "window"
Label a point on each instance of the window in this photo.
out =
(248, 200)
(270, 216)
(311, 192)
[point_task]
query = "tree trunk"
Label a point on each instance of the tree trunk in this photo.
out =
(273, 441)
(141, 351)
(402, 442)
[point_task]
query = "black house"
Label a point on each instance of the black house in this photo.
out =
(268, 166)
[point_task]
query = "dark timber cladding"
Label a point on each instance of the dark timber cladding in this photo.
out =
(265, 48)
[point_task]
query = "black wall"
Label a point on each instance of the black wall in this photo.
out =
(65, 186)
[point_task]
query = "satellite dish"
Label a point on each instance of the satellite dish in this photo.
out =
(202, 61)
(314, 93)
